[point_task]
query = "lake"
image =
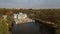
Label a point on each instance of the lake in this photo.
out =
(31, 28)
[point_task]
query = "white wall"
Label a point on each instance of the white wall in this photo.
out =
(15, 15)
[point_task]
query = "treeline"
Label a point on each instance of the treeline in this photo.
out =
(45, 14)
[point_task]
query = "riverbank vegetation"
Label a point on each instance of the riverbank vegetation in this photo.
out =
(52, 15)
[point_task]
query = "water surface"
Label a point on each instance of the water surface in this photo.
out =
(30, 28)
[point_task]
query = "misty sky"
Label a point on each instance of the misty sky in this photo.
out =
(29, 3)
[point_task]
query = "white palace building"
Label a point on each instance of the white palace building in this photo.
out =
(21, 18)
(20, 15)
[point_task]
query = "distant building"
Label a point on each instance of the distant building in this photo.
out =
(20, 15)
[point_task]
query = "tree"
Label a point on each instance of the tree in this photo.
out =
(3, 26)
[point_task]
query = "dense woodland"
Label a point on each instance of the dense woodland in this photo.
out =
(52, 15)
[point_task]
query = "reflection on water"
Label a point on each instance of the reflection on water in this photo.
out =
(30, 28)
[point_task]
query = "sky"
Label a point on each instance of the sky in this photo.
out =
(29, 3)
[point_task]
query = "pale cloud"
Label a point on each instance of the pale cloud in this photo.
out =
(30, 3)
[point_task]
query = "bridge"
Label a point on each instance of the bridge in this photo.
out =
(48, 23)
